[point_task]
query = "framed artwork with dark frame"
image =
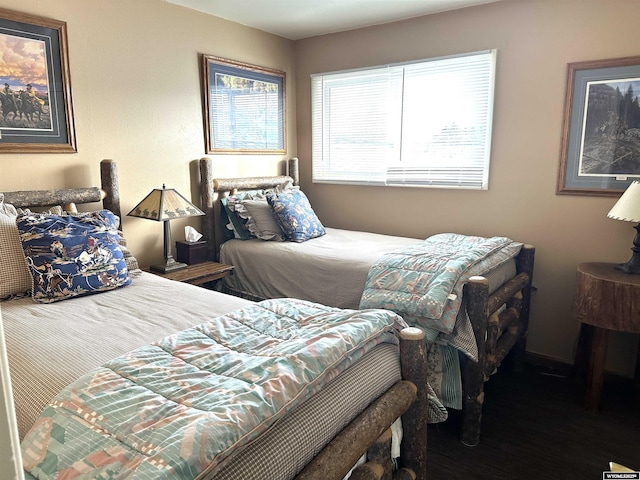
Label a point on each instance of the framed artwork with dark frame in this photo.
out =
(35, 90)
(601, 132)
(244, 107)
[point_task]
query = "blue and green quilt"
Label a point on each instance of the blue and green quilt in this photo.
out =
(177, 408)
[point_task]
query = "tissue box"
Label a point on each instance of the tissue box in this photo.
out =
(191, 252)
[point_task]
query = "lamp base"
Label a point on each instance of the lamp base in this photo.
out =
(633, 265)
(170, 266)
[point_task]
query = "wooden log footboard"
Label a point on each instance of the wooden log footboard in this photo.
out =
(498, 331)
(407, 398)
(342, 453)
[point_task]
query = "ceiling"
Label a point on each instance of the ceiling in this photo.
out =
(296, 19)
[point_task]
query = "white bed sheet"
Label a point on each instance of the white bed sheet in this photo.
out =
(50, 345)
(331, 269)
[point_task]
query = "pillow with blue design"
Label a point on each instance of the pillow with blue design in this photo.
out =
(295, 216)
(72, 255)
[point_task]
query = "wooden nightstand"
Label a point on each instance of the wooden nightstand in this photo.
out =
(199, 273)
(605, 299)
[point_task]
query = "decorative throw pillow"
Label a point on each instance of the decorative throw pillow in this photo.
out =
(260, 219)
(14, 274)
(6, 208)
(295, 216)
(229, 227)
(53, 210)
(133, 268)
(236, 226)
(72, 255)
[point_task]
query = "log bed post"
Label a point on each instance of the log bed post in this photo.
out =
(413, 361)
(293, 170)
(476, 291)
(109, 185)
(524, 264)
(208, 207)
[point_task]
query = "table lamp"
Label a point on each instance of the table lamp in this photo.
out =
(164, 205)
(627, 208)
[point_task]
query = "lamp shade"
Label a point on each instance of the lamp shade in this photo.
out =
(627, 208)
(164, 204)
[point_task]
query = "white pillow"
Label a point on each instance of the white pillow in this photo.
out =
(14, 275)
(260, 219)
(55, 210)
(7, 208)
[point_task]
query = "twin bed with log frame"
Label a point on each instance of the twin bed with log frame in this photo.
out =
(369, 430)
(499, 316)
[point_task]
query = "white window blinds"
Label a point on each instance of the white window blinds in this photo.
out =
(425, 123)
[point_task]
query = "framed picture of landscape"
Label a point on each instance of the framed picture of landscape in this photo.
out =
(244, 107)
(601, 134)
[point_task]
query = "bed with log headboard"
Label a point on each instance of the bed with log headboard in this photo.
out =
(484, 313)
(121, 373)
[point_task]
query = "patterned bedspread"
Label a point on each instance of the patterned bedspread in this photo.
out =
(178, 407)
(425, 281)
(424, 284)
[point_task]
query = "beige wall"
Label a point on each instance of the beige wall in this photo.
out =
(535, 40)
(137, 98)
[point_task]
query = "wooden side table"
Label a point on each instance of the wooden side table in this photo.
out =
(604, 299)
(199, 273)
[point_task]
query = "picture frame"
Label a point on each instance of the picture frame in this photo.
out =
(35, 88)
(600, 152)
(244, 107)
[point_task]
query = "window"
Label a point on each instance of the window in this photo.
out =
(425, 123)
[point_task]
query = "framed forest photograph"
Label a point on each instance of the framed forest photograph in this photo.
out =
(36, 110)
(601, 134)
(244, 107)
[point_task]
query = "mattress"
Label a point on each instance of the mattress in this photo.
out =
(50, 345)
(286, 448)
(335, 266)
(331, 269)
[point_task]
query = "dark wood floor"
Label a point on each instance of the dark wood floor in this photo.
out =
(535, 427)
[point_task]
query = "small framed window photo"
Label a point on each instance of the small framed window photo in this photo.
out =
(244, 107)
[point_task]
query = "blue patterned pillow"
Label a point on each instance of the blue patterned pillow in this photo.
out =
(72, 255)
(295, 216)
